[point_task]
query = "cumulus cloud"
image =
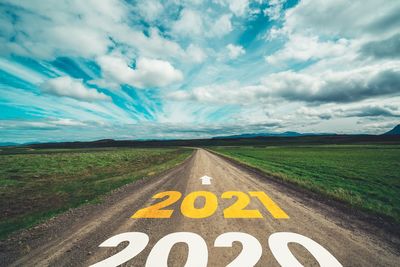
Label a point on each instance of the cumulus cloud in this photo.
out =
(230, 92)
(338, 87)
(238, 7)
(73, 88)
(234, 51)
(189, 23)
(150, 9)
(388, 48)
(323, 62)
(116, 69)
(274, 10)
(338, 28)
(221, 26)
(192, 23)
(318, 113)
(148, 72)
(325, 87)
(370, 111)
(155, 73)
(303, 48)
(150, 45)
(350, 51)
(45, 31)
(344, 18)
(362, 110)
(67, 122)
(195, 53)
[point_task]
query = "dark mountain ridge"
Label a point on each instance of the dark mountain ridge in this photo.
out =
(394, 131)
(251, 139)
(284, 134)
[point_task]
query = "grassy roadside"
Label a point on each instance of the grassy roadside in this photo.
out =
(37, 185)
(365, 176)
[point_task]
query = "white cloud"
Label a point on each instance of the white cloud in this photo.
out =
(331, 54)
(46, 106)
(344, 18)
(221, 26)
(374, 110)
(21, 71)
(148, 72)
(43, 30)
(340, 37)
(336, 87)
(325, 87)
(234, 51)
(303, 48)
(154, 45)
(238, 7)
(339, 86)
(195, 53)
(73, 88)
(155, 73)
(67, 122)
(338, 28)
(314, 113)
(150, 9)
(189, 23)
(115, 68)
(274, 11)
(365, 109)
(230, 92)
(192, 23)
(274, 33)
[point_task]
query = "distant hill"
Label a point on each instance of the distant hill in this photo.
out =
(251, 139)
(104, 141)
(285, 134)
(394, 131)
(8, 144)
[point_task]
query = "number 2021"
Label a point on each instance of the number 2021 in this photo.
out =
(188, 209)
(198, 251)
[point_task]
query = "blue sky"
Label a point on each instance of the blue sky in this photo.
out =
(85, 70)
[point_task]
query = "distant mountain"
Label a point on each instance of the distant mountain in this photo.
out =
(394, 131)
(104, 141)
(285, 134)
(8, 144)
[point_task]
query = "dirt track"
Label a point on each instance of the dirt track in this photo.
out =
(72, 239)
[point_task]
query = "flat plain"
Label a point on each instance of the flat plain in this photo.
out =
(365, 176)
(38, 184)
(73, 238)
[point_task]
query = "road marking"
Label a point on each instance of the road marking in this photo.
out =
(206, 180)
(188, 209)
(198, 249)
(270, 205)
(155, 210)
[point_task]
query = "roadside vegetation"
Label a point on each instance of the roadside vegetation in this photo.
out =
(366, 176)
(38, 184)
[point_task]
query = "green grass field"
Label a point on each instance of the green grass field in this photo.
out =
(366, 176)
(38, 184)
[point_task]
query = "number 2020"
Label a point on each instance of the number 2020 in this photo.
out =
(188, 209)
(198, 251)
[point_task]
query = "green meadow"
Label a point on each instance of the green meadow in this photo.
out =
(38, 184)
(365, 176)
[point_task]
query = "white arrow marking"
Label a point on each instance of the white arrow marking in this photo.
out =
(206, 180)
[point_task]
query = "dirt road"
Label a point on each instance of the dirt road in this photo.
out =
(73, 239)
